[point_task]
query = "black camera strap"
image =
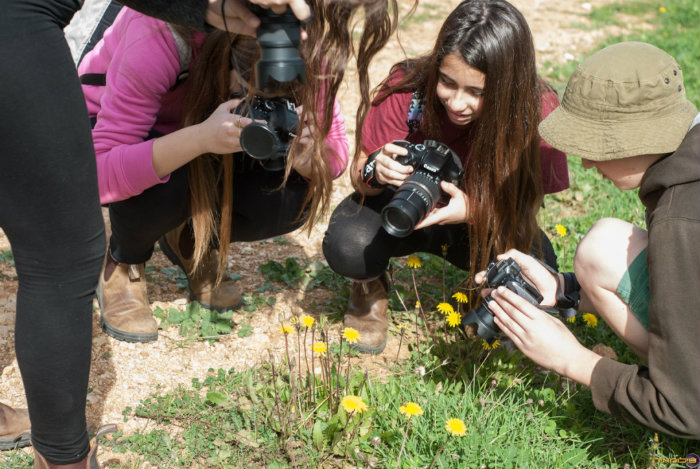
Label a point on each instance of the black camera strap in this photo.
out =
(568, 294)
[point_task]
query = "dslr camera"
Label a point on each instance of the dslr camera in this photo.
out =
(420, 192)
(505, 273)
(269, 141)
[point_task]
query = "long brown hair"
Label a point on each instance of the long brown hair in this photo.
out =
(326, 54)
(502, 175)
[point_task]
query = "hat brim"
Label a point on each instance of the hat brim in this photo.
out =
(599, 140)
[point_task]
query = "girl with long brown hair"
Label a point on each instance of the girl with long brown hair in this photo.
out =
(169, 155)
(477, 92)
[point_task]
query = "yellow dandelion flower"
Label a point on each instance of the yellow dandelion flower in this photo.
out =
(561, 230)
(454, 318)
(351, 335)
(353, 404)
(445, 308)
(294, 320)
(308, 321)
(662, 10)
(413, 262)
(286, 329)
(410, 409)
(572, 319)
(417, 304)
(590, 319)
(319, 347)
(444, 249)
(400, 326)
(486, 346)
(455, 427)
(460, 297)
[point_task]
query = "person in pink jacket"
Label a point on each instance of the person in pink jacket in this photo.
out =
(171, 167)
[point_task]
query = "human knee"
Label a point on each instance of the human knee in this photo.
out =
(344, 252)
(601, 256)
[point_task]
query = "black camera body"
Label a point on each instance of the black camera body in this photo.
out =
(269, 141)
(505, 273)
(433, 162)
(279, 36)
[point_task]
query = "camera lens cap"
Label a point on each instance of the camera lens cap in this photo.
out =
(259, 142)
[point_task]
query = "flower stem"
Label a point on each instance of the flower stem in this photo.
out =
(437, 455)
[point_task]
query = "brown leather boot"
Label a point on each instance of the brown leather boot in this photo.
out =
(367, 313)
(15, 429)
(125, 311)
(90, 461)
(202, 284)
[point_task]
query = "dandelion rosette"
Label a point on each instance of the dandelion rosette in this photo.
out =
(286, 329)
(590, 319)
(319, 347)
(351, 335)
(352, 404)
(460, 297)
(455, 427)
(413, 262)
(453, 318)
(410, 409)
(307, 320)
(445, 308)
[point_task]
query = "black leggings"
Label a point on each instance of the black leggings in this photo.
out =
(50, 212)
(260, 211)
(356, 245)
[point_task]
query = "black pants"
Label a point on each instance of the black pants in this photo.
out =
(260, 210)
(50, 212)
(356, 245)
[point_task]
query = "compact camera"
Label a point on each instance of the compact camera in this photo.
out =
(269, 141)
(505, 273)
(420, 192)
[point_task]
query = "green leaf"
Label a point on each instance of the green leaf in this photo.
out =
(245, 330)
(216, 397)
(318, 436)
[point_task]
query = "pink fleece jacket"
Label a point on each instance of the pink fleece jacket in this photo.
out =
(141, 61)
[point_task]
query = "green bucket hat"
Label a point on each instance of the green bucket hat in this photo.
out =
(625, 100)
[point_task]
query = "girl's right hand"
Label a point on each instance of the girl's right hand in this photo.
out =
(220, 133)
(389, 171)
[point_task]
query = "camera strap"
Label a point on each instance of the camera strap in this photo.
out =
(415, 111)
(568, 295)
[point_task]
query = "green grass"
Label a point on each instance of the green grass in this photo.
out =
(516, 414)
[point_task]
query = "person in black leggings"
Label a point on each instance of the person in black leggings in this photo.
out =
(50, 212)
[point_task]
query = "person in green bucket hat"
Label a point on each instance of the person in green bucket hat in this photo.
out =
(625, 113)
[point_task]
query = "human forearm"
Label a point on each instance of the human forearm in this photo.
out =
(176, 149)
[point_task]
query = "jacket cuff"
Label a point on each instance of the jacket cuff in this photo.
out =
(604, 382)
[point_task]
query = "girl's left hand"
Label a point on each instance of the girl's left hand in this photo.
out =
(456, 211)
(543, 338)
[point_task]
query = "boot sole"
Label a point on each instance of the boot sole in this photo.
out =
(172, 257)
(20, 441)
(133, 337)
(369, 349)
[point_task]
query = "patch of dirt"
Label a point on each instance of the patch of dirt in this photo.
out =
(123, 374)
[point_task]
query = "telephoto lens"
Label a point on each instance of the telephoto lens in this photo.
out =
(279, 36)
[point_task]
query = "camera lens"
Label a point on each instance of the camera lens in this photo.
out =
(259, 141)
(279, 36)
(483, 319)
(412, 201)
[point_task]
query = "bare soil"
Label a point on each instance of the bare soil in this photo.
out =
(123, 374)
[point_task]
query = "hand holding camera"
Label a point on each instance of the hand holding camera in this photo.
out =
(421, 191)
